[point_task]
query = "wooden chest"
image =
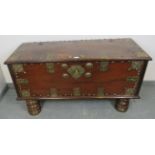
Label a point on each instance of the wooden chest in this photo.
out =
(93, 69)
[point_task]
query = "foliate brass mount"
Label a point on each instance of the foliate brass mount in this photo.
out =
(136, 65)
(100, 92)
(132, 79)
(17, 68)
(104, 65)
(25, 93)
(54, 92)
(130, 91)
(76, 92)
(50, 67)
(76, 71)
(22, 81)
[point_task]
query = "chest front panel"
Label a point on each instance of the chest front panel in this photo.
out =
(78, 79)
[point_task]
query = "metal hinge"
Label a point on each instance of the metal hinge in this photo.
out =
(50, 67)
(104, 65)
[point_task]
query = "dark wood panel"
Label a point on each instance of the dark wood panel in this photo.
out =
(113, 81)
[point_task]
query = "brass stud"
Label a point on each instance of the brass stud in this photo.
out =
(65, 75)
(89, 65)
(88, 75)
(65, 66)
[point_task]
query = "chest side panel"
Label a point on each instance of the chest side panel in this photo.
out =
(78, 79)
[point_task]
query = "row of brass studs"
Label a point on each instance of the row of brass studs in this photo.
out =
(77, 92)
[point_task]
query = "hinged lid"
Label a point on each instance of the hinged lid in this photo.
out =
(108, 49)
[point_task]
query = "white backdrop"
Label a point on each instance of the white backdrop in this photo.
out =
(9, 43)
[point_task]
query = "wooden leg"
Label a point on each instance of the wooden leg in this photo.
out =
(33, 107)
(122, 105)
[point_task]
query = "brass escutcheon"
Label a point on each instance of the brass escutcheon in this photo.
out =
(76, 71)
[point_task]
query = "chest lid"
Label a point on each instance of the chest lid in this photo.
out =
(108, 49)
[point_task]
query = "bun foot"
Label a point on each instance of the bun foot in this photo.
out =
(122, 105)
(33, 107)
